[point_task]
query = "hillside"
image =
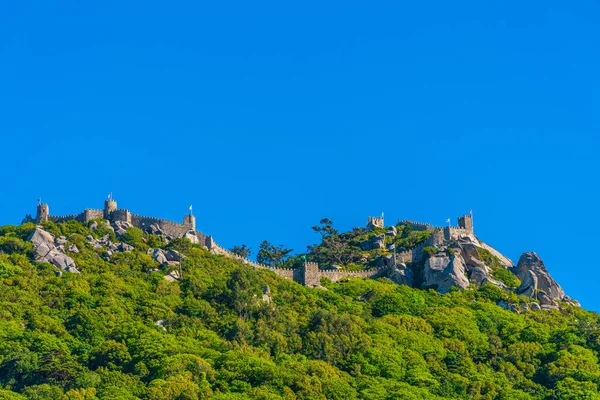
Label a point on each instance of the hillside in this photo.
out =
(90, 310)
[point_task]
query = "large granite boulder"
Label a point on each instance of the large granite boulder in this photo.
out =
(45, 250)
(40, 236)
(443, 272)
(160, 256)
(536, 282)
(401, 275)
(191, 235)
(374, 242)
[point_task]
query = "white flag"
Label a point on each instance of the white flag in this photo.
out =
(109, 195)
(190, 208)
(448, 220)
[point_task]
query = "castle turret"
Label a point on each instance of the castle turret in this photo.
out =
(43, 212)
(110, 206)
(375, 222)
(466, 222)
(311, 274)
(189, 221)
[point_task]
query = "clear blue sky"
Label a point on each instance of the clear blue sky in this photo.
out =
(268, 116)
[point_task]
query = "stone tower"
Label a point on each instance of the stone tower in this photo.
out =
(375, 222)
(466, 222)
(189, 221)
(43, 212)
(311, 274)
(110, 206)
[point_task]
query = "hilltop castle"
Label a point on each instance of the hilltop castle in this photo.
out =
(310, 275)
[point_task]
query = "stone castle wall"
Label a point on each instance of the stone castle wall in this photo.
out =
(309, 275)
(417, 226)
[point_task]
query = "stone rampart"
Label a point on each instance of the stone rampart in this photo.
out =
(417, 226)
(170, 228)
(90, 214)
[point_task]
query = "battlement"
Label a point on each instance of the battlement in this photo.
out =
(309, 275)
(112, 213)
(375, 222)
(417, 226)
(466, 222)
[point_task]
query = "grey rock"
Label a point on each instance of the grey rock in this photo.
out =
(90, 238)
(61, 261)
(191, 235)
(155, 229)
(94, 226)
(120, 232)
(125, 247)
(73, 249)
(444, 272)
(61, 240)
(546, 300)
(391, 231)
(479, 273)
(120, 227)
(45, 250)
(173, 255)
(536, 282)
(160, 256)
(42, 250)
(375, 242)
(529, 285)
(401, 275)
(535, 307)
(387, 261)
(40, 236)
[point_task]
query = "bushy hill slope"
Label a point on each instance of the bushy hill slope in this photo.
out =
(120, 330)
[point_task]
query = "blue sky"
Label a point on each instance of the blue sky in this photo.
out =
(269, 116)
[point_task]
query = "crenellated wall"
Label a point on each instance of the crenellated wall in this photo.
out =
(417, 226)
(309, 275)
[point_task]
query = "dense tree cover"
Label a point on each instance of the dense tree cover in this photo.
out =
(272, 255)
(343, 248)
(95, 335)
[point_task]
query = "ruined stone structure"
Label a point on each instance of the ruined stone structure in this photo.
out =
(375, 222)
(113, 214)
(309, 275)
(466, 222)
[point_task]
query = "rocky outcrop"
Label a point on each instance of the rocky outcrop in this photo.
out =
(45, 250)
(537, 283)
(374, 242)
(504, 261)
(401, 275)
(191, 236)
(120, 227)
(442, 272)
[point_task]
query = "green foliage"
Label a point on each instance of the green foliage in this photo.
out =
(272, 255)
(242, 251)
(135, 237)
(94, 335)
(498, 272)
(429, 250)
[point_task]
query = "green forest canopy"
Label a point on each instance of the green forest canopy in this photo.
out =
(94, 335)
